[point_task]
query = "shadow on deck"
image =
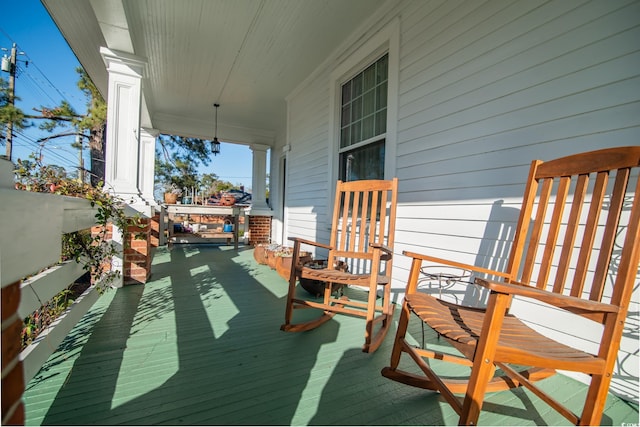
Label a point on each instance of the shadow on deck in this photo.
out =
(200, 344)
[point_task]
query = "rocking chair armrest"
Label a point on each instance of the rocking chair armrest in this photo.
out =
(566, 302)
(309, 242)
(388, 252)
(385, 255)
(354, 255)
(456, 264)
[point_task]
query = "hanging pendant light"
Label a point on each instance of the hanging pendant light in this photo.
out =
(215, 144)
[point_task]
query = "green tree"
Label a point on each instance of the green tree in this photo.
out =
(177, 161)
(90, 126)
(9, 113)
(63, 121)
(94, 123)
(214, 185)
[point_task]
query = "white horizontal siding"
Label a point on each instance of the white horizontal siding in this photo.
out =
(307, 189)
(485, 87)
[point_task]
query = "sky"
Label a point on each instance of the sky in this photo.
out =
(50, 76)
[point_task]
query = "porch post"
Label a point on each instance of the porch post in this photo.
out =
(146, 172)
(259, 178)
(123, 144)
(128, 169)
(259, 214)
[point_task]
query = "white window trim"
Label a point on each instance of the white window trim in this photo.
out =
(386, 40)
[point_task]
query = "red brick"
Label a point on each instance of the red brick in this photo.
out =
(137, 259)
(10, 300)
(11, 342)
(12, 388)
(17, 418)
(259, 229)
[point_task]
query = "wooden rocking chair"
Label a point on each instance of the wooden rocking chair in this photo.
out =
(362, 241)
(577, 248)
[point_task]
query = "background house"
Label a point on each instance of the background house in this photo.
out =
(461, 97)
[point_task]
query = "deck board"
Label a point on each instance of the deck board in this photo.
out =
(200, 344)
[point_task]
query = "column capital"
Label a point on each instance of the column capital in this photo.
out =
(153, 133)
(124, 63)
(259, 147)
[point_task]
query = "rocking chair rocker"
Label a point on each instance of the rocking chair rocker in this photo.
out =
(577, 248)
(362, 240)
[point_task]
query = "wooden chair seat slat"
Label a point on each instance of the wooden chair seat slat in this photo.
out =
(465, 326)
(337, 276)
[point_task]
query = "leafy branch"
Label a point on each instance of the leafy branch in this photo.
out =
(92, 248)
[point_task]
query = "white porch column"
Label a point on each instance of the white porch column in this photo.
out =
(146, 167)
(124, 149)
(259, 178)
(123, 144)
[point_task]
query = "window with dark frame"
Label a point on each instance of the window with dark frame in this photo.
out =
(363, 123)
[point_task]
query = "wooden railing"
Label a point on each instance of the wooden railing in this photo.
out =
(32, 225)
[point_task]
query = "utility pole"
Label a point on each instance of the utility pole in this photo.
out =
(81, 174)
(11, 68)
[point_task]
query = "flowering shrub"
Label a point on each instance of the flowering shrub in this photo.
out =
(91, 248)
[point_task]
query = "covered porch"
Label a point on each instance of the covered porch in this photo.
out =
(200, 343)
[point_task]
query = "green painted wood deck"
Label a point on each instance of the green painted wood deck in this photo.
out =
(200, 344)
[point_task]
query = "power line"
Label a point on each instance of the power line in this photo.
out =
(32, 83)
(37, 148)
(35, 65)
(50, 83)
(39, 86)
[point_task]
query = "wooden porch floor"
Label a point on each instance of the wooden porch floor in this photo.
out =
(200, 344)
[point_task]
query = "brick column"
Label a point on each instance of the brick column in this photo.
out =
(107, 263)
(12, 373)
(154, 235)
(259, 229)
(137, 255)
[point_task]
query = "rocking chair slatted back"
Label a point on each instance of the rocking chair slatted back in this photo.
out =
(364, 216)
(577, 249)
(571, 215)
(360, 254)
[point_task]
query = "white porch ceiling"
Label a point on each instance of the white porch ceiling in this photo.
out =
(247, 55)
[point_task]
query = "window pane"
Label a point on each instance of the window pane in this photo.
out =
(345, 135)
(368, 127)
(356, 128)
(356, 109)
(381, 69)
(346, 92)
(368, 102)
(381, 96)
(369, 77)
(357, 86)
(346, 115)
(363, 163)
(381, 122)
